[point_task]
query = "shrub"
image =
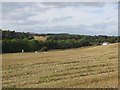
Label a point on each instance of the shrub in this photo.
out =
(44, 49)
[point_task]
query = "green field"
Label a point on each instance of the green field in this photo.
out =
(88, 67)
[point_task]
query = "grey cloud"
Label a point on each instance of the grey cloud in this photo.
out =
(0, 15)
(74, 4)
(99, 26)
(0, 7)
(11, 6)
(17, 16)
(26, 22)
(9, 11)
(31, 22)
(15, 12)
(61, 18)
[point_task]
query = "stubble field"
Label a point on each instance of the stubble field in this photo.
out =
(88, 67)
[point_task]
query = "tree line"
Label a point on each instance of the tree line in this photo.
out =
(12, 44)
(7, 34)
(16, 45)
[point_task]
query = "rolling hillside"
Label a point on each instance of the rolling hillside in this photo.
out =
(86, 67)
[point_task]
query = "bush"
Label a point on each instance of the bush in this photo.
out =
(44, 49)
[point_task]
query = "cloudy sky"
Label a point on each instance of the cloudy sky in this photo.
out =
(89, 18)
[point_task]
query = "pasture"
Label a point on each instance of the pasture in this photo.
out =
(87, 67)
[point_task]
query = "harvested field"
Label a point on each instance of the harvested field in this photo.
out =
(88, 67)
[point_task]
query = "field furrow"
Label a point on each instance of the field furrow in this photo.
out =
(83, 67)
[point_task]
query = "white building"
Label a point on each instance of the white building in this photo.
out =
(105, 43)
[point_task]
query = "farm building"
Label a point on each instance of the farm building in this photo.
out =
(105, 43)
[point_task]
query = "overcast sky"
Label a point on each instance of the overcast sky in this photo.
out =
(61, 17)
